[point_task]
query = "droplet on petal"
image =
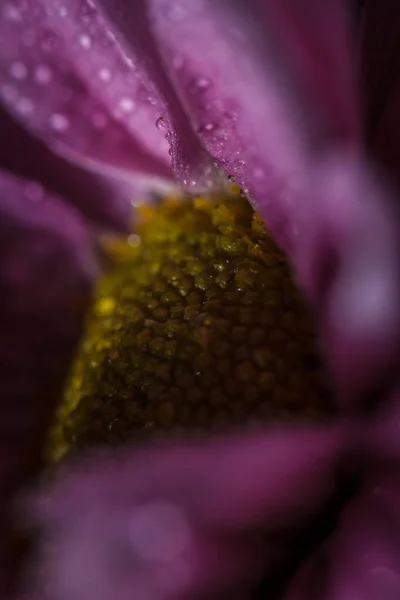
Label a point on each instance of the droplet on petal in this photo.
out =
(199, 84)
(105, 75)
(34, 191)
(160, 123)
(42, 74)
(24, 106)
(126, 104)
(18, 70)
(85, 41)
(59, 122)
(11, 13)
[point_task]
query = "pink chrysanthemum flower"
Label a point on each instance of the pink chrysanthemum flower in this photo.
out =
(267, 92)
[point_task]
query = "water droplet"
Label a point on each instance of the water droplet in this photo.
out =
(34, 191)
(63, 11)
(105, 75)
(160, 531)
(258, 173)
(28, 37)
(59, 122)
(24, 106)
(42, 74)
(208, 128)
(161, 124)
(199, 84)
(126, 104)
(85, 41)
(134, 240)
(18, 70)
(9, 93)
(99, 120)
(111, 425)
(11, 13)
(178, 62)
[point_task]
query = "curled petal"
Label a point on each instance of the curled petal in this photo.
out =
(65, 78)
(190, 163)
(46, 270)
(255, 82)
(187, 521)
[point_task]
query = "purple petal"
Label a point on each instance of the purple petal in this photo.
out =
(381, 81)
(243, 73)
(348, 261)
(186, 520)
(71, 76)
(361, 560)
(102, 200)
(65, 78)
(46, 270)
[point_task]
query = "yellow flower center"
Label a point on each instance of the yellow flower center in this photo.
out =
(198, 325)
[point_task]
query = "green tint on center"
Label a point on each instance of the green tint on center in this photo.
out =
(197, 326)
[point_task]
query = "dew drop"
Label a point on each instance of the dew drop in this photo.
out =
(258, 173)
(18, 70)
(63, 11)
(160, 124)
(126, 105)
(34, 192)
(199, 84)
(208, 128)
(134, 240)
(59, 122)
(9, 93)
(42, 74)
(24, 106)
(11, 13)
(99, 120)
(177, 62)
(85, 41)
(160, 531)
(105, 75)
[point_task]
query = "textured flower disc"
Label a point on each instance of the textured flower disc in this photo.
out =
(198, 325)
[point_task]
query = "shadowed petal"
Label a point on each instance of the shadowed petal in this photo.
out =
(65, 79)
(348, 261)
(170, 512)
(46, 270)
(361, 560)
(102, 200)
(380, 56)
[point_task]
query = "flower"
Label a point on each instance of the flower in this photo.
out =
(266, 91)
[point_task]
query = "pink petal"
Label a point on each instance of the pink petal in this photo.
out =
(46, 270)
(68, 74)
(361, 560)
(348, 261)
(65, 79)
(264, 85)
(381, 80)
(185, 522)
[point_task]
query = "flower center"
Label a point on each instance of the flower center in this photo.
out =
(199, 324)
